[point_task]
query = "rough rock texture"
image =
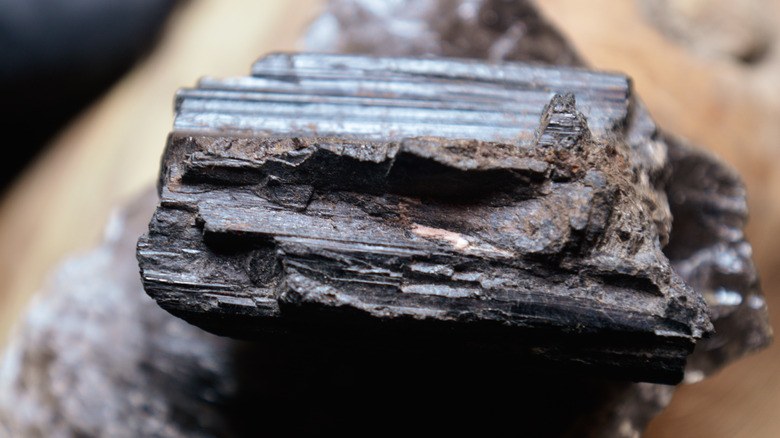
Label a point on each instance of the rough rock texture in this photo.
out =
(117, 365)
(327, 189)
(97, 357)
(716, 258)
(708, 248)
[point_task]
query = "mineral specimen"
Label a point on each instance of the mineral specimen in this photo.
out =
(405, 196)
(707, 245)
(96, 357)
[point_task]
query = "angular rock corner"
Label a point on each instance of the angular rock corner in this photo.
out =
(504, 208)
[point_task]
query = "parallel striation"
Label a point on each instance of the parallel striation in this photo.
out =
(496, 210)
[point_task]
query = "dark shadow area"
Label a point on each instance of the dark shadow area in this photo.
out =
(57, 57)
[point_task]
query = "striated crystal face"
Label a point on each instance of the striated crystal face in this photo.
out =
(236, 206)
(425, 193)
(707, 198)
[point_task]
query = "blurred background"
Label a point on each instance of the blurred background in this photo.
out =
(89, 88)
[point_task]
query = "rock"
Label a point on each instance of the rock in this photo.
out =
(97, 357)
(490, 29)
(299, 200)
(708, 248)
(718, 229)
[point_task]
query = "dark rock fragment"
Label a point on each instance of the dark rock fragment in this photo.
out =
(454, 195)
(161, 377)
(710, 228)
(97, 357)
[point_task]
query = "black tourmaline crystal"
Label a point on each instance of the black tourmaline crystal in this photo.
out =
(504, 208)
(478, 160)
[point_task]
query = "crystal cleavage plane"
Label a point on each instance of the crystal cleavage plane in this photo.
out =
(502, 209)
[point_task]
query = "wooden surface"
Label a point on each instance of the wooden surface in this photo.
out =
(112, 152)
